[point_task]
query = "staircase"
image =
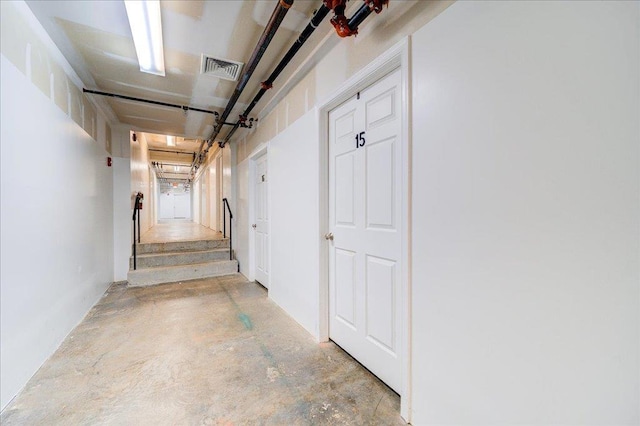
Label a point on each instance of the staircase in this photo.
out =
(159, 263)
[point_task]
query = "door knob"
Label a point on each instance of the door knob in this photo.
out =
(328, 236)
(253, 226)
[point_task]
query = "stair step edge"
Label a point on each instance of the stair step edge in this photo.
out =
(179, 252)
(183, 265)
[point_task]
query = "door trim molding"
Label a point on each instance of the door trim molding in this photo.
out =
(397, 57)
(260, 150)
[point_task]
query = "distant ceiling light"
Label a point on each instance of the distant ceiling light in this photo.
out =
(146, 28)
(171, 140)
(176, 168)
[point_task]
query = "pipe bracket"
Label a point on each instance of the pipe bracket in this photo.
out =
(341, 25)
(376, 5)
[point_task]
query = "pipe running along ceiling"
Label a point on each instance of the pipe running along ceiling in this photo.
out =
(343, 26)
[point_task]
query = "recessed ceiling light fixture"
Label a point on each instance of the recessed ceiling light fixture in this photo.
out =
(146, 28)
(171, 140)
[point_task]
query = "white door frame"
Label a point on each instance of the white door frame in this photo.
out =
(397, 57)
(261, 150)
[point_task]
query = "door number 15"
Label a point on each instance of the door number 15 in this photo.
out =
(360, 140)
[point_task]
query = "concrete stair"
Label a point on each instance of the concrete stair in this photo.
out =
(159, 263)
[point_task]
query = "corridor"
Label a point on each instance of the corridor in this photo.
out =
(214, 351)
(445, 193)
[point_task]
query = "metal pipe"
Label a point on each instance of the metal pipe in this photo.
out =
(317, 18)
(162, 163)
(359, 17)
(172, 152)
(267, 35)
(149, 101)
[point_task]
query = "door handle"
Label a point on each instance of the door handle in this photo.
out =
(254, 226)
(328, 236)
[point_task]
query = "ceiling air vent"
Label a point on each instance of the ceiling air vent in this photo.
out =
(223, 68)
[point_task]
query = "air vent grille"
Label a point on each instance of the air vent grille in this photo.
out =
(223, 68)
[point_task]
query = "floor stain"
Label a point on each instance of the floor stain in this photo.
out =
(244, 318)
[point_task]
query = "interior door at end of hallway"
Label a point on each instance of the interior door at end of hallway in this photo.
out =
(365, 218)
(261, 217)
(182, 206)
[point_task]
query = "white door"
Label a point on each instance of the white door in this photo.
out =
(167, 206)
(365, 171)
(182, 207)
(261, 220)
(213, 214)
(220, 209)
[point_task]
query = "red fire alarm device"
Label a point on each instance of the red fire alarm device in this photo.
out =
(108, 161)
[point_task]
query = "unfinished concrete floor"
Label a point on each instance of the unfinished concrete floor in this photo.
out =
(207, 352)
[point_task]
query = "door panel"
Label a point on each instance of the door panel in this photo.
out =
(380, 184)
(345, 195)
(364, 216)
(381, 291)
(381, 108)
(345, 286)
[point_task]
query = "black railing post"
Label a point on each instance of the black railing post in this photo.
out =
(230, 237)
(225, 203)
(138, 210)
(136, 215)
(134, 240)
(224, 219)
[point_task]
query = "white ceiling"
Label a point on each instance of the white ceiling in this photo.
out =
(95, 38)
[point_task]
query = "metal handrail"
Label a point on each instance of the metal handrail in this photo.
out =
(224, 226)
(136, 215)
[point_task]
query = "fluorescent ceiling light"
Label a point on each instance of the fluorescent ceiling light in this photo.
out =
(171, 140)
(176, 168)
(146, 28)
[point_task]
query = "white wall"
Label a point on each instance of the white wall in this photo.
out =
(122, 212)
(243, 227)
(122, 208)
(142, 180)
(57, 207)
(195, 201)
(526, 214)
(295, 221)
(204, 207)
(205, 197)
